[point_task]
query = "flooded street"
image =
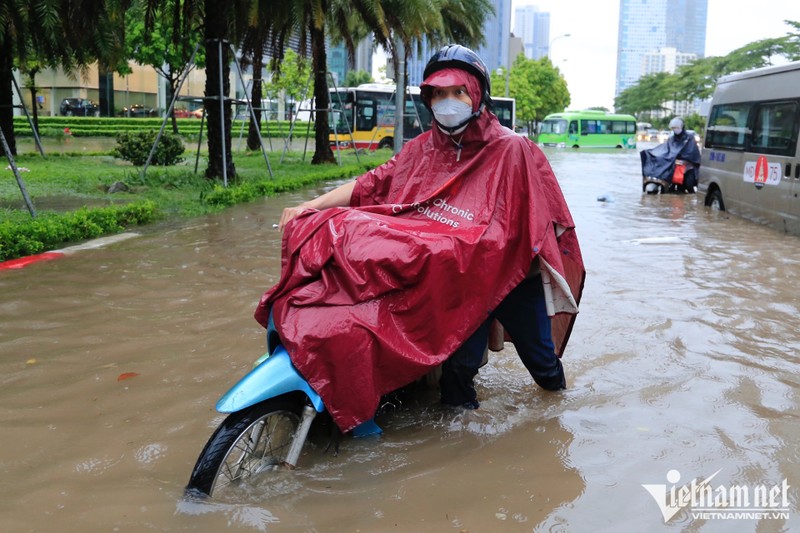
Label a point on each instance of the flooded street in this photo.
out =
(683, 363)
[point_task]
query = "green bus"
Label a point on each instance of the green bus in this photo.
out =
(588, 129)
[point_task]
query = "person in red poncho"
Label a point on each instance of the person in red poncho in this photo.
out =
(406, 267)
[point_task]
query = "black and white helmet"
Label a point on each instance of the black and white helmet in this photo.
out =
(461, 57)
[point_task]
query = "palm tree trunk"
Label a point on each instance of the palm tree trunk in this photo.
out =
(35, 106)
(218, 15)
(7, 100)
(323, 152)
(253, 141)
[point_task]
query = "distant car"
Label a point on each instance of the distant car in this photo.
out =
(78, 107)
(197, 113)
(652, 135)
(663, 135)
(138, 111)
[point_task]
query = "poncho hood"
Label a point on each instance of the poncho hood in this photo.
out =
(375, 296)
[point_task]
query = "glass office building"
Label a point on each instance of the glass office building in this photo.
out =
(646, 26)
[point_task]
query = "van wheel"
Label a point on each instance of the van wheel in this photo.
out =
(386, 142)
(714, 200)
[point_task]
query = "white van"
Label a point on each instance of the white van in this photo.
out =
(750, 163)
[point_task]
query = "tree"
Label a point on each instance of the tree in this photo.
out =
(30, 67)
(648, 95)
(355, 78)
(791, 47)
(291, 80)
(310, 19)
(698, 79)
(223, 22)
(55, 32)
(28, 33)
(440, 22)
(253, 54)
(537, 86)
(167, 42)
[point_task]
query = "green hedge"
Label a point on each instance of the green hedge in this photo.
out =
(20, 238)
(249, 191)
(110, 126)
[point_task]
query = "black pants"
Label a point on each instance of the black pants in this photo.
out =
(523, 313)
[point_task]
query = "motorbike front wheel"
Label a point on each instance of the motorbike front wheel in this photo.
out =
(249, 442)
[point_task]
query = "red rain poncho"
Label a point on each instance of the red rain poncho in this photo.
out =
(375, 296)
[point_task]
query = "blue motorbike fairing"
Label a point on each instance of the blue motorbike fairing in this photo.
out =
(275, 376)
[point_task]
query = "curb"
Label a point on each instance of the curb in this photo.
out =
(22, 262)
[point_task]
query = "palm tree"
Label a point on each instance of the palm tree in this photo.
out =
(219, 16)
(265, 31)
(64, 33)
(310, 20)
(439, 22)
(27, 29)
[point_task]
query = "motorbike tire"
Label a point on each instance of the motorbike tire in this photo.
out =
(247, 443)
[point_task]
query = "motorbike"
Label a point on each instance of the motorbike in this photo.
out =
(671, 167)
(270, 414)
(683, 179)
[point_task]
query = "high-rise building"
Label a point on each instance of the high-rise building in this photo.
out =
(533, 27)
(645, 26)
(496, 32)
(339, 64)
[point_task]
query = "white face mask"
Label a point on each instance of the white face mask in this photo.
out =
(676, 131)
(451, 112)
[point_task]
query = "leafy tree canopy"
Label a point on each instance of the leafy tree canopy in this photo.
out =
(697, 79)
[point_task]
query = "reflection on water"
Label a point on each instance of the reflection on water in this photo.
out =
(684, 357)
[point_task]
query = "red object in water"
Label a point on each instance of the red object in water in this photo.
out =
(373, 297)
(22, 262)
(126, 375)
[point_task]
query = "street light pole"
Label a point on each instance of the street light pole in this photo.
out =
(503, 71)
(549, 46)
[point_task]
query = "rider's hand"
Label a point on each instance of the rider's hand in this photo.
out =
(289, 213)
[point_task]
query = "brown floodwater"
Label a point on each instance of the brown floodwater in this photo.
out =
(684, 359)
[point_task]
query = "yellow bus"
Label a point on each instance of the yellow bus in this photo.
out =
(364, 116)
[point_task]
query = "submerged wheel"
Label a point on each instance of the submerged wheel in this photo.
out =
(714, 200)
(248, 443)
(386, 142)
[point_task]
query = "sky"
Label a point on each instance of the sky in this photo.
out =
(588, 57)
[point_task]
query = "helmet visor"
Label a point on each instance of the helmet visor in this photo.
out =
(452, 77)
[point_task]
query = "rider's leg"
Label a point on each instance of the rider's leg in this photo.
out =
(460, 369)
(523, 314)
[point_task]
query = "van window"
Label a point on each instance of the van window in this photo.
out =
(775, 130)
(727, 126)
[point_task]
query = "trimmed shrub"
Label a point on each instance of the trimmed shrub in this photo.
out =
(136, 146)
